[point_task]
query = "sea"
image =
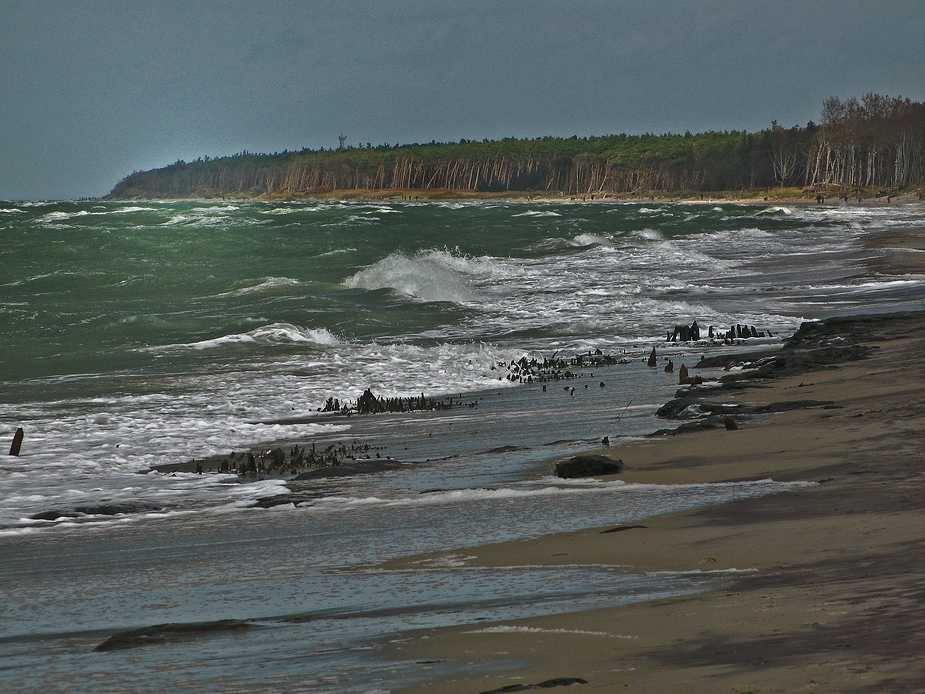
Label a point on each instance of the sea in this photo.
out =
(136, 335)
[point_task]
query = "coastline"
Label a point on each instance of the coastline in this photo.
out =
(824, 585)
(788, 196)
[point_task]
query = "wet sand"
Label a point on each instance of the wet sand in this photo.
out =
(829, 589)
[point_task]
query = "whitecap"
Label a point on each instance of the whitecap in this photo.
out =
(590, 240)
(275, 333)
(267, 284)
(427, 275)
(649, 235)
(336, 251)
(59, 216)
(538, 213)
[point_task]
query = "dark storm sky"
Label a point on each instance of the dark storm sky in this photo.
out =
(92, 90)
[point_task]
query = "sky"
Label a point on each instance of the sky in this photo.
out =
(92, 90)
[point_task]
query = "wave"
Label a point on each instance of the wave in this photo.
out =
(776, 211)
(583, 240)
(648, 235)
(204, 217)
(267, 284)
(427, 275)
(507, 493)
(336, 251)
(128, 210)
(59, 216)
(274, 334)
(538, 213)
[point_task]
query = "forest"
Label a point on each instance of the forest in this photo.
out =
(873, 142)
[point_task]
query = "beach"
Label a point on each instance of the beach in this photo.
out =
(826, 592)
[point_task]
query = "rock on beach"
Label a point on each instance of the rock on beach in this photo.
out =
(588, 466)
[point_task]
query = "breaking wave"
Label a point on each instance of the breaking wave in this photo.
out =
(427, 275)
(276, 333)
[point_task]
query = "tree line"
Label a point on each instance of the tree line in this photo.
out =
(876, 141)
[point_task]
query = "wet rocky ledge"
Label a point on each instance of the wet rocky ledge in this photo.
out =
(825, 344)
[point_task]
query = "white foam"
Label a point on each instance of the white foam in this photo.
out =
(427, 275)
(336, 251)
(649, 235)
(516, 492)
(268, 284)
(538, 213)
(276, 333)
(58, 216)
(591, 240)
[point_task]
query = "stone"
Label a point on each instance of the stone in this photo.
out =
(588, 466)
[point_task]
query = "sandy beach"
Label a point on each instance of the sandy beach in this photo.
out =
(827, 592)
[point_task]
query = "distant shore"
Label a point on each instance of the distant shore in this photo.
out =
(772, 196)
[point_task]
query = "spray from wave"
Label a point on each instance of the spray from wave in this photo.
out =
(427, 275)
(274, 334)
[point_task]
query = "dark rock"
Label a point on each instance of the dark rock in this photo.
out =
(162, 633)
(690, 407)
(588, 466)
(722, 361)
(349, 469)
(652, 361)
(711, 422)
(850, 330)
(730, 423)
(673, 408)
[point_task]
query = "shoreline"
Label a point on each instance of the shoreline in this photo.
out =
(830, 595)
(770, 197)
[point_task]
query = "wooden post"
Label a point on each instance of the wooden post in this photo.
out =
(17, 442)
